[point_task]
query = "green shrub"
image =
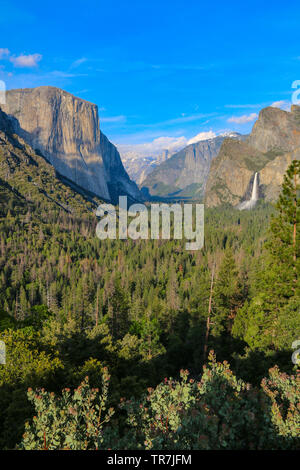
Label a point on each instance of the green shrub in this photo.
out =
(217, 412)
(74, 421)
(283, 392)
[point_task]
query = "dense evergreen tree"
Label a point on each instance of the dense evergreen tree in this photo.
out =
(227, 295)
(266, 323)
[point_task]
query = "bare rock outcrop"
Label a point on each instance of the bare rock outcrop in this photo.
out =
(65, 130)
(185, 173)
(270, 148)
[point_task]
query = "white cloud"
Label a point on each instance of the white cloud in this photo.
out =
(283, 104)
(243, 119)
(78, 62)
(202, 136)
(30, 60)
(245, 106)
(156, 147)
(4, 52)
(184, 118)
(167, 143)
(178, 120)
(62, 74)
(120, 118)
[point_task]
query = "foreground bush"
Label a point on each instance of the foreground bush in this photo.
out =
(217, 412)
(73, 421)
(284, 404)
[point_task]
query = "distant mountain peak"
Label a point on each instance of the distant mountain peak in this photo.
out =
(230, 134)
(184, 174)
(202, 136)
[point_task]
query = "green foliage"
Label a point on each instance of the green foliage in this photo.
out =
(72, 305)
(74, 421)
(6, 321)
(284, 405)
(271, 320)
(25, 361)
(27, 364)
(218, 411)
(227, 294)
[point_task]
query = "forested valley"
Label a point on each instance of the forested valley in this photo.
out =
(109, 322)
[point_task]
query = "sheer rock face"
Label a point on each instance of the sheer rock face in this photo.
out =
(185, 172)
(65, 129)
(276, 129)
(5, 124)
(270, 148)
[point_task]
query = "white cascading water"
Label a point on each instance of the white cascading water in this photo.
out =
(254, 196)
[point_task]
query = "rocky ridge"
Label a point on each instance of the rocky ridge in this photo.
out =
(270, 148)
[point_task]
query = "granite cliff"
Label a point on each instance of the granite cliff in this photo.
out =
(28, 181)
(270, 148)
(184, 174)
(65, 130)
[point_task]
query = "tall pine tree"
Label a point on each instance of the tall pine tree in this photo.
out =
(272, 320)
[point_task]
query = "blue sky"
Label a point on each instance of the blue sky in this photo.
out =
(156, 68)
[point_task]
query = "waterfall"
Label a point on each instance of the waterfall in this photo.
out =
(254, 196)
